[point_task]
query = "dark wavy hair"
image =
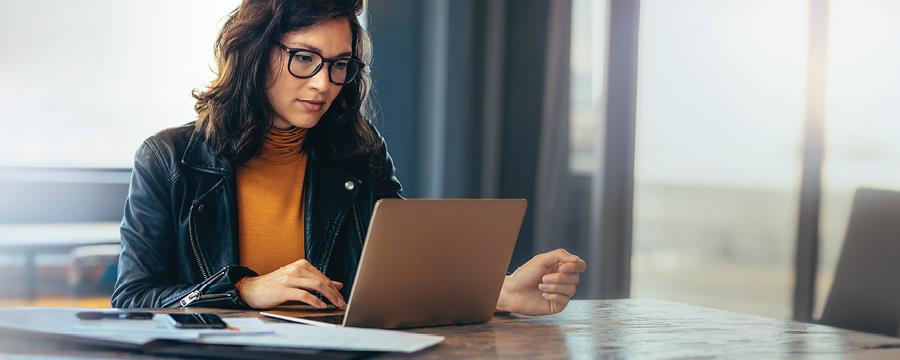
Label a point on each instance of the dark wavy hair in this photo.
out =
(234, 113)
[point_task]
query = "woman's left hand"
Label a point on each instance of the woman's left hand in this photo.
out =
(543, 285)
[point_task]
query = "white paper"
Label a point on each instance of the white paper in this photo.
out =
(333, 338)
(252, 331)
(63, 321)
(240, 326)
(136, 338)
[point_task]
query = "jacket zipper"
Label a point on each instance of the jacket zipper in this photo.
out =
(201, 263)
(358, 228)
(326, 257)
(194, 296)
(210, 297)
(198, 293)
(194, 246)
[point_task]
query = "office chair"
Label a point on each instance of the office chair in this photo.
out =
(865, 295)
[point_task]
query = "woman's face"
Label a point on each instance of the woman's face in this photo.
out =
(302, 102)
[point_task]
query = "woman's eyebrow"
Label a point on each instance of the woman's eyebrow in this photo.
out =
(298, 44)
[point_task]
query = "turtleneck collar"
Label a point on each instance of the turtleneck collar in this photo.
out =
(282, 146)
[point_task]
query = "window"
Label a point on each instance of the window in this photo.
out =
(861, 119)
(586, 83)
(720, 111)
(85, 84)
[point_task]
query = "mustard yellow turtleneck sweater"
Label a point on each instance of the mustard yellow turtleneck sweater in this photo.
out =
(270, 203)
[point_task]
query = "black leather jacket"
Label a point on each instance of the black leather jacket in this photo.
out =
(179, 232)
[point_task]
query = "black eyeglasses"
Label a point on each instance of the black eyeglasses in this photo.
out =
(305, 63)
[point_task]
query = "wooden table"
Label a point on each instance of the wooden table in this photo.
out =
(591, 329)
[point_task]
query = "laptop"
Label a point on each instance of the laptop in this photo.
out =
(428, 263)
(865, 294)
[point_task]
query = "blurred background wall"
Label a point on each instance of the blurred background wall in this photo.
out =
(703, 151)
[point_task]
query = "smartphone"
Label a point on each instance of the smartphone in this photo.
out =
(197, 321)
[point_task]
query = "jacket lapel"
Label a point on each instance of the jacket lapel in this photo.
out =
(218, 172)
(199, 158)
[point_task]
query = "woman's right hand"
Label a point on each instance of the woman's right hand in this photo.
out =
(291, 282)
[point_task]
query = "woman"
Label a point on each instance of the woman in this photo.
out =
(264, 199)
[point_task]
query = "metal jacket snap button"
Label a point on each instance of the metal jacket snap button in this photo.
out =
(349, 185)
